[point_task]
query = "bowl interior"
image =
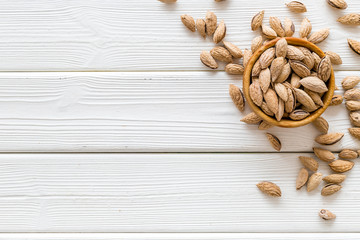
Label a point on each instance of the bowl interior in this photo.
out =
(287, 122)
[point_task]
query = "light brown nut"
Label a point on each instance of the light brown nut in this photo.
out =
(272, 100)
(266, 109)
(268, 32)
(251, 118)
(296, 6)
(295, 81)
(309, 162)
(256, 94)
(316, 97)
(319, 36)
(303, 98)
(256, 43)
(299, 114)
(188, 21)
(300, 68)
(308, 57)
(281, 110)
(353, 105)
(234, 50)
(208, 60)
(315, 84)
(350, 82)
(237, 97)
(281, 91)
(334, 57)
(256, 69)
(324, 155)
(281, 47)
(246, 56)
(324, 69)
(270, 189)
(314, 181)
(265, 79)
(341, 166)
(257, 20)
(220, 32)
(234, 69)
(335, 178)
(291, 102)
(294, 53)
(289, 27)
(352, 94)
(276, 68)
(221, 54)
(210, 23)
(200, 26)
(317, 60)
(302, 178)
(348, 154)
(354, 45)
(355, 132)
(339, 4)
(355, 119)
(305, 28)
(274, 141)
(326, 214)
(264, 125)
(267, 57)
(329, 139)
(321, 124)
(330, 189)
(276, 25)
(350, 19)
(168, 1)
(285, 73)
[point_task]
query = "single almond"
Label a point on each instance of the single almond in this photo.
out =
(348, 154)
(335, 178)
(246, 56)
(352, 94)
(281, 47)
(272, 100)
(355, 119)
(281, 91)
(324, 68)
(319, 36)
(281, 110)
(355, 132)
(188, 21)
(270, 189)
(314, 84)
(276, 25)
(350, 19)
(289, 27)
(314, 181)
(237, 97)
(334, 57)
(330, 189)
(341, 166)
(308, 57)
(339, 4)
(290, 103)
(285, 73)
(234, 69)
(316, 97)
(208, 60)
(350, 82)
(266, 110)
(329, 139)
(326, 214)
(264, 125)
(256, 94)
(321, 124)
(268, 32)
(256, 43)
(300, 68)
(211, 23)
(257, 20)
(307, 109)
(354, 45)
(251, 118)
(234, 50)
(276, 68)
(221, 54)
(324, 155)
(353, 105)
(305, 28)
(309, 162)
(267, 57)
(265, 79)
(303, 98)
(294, 53)
(299, 114)
(295, 81)
(296, 6)
(220, 32)
(302, 178)
(200, 26)
(274, 141)
(317, 60)
(256, 69)
(336, 100)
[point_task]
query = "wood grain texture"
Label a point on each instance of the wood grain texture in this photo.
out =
(141, 35)
(165, 193)
(179, 236)
(140, 112)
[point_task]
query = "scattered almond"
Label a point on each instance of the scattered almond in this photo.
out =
(251, 118)
(302, 178)
(289, 27)
(348, 154)
(350, 19)
(309, 162)
(210, 23)
(270, 189)
(329, 139)
(355, 119)
(334, 57)
(319, 36)
(305, 28)
(234, 50)
(355, 132)
(350, 82)
(335, 178)
(264, 125)
(354, 45)
(257, 20)
(274, 141)
(324, 155)
(353, 105)
(314, 181)
(221, 54)
(208, 60)
(200, 26)
(220, 32)
(268, 32)
(237, 97)
(256, 43)
(341, 166)
(296, 6)
(339, 4)
(188, 21)
(336, 100)
(276, 25)
(352, 94)
(234, 69)
(326, 214)
(330, 189)
(321, 124)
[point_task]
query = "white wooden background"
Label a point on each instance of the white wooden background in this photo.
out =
(110, 123)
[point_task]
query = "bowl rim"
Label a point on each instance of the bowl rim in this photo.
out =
(288, 123)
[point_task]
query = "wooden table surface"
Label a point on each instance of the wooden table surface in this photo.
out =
(111, 127)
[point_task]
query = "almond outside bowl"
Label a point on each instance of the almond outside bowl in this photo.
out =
(287, 123)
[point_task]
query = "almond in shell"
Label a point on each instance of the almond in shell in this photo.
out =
(208, 60)
(267, 57)
(324, 155)
(265, 79)
(314, 84)
(188, 21)
(355, 132)
(330, 189)
(234, 50)
(354, 45)
(339, 4)
(300, 68)
(281, 91)
(302, 178)
(350, 19)
(256, 43)
(200, 26)
(274, 141)
(234, 69)
(246, 56)
(309, 162)
(341, 166)
(270, 189)
(305, 28)
(257, 20)
(264, 125)
(321, 124)
(266, 109)
(309, 58)
(355, 119)
(256, 93)
(329, 139)
(353, 105)
(324, 68)
(350, 82)
(251, 118)
(348, 154)
(315, 97)
(295, 81)
(221, 54)
(303, 98)
(335, 178)
(289, 27)
(319, 36)
(210, 23)
(220, 32)
(326, 214)
(291, 102)
(271, 100)
(317, 60)
(314, 181)
(281, 110)
(276, 25)
(276, 68)
(299, 114)
(268, 32)
(336, 100)
(281, 47)
(296, 6)
(352, 94)
(285, 73)
(237, 97)
(334, 57)
(294, 53)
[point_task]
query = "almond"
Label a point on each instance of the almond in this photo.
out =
(330, 189)
(302, 178)
(336, 100)
(350, 82)
(265, 79)
(355, 119)
(237, 97)
(276, 68)
(234, 50)
(256, 43)
(354, 45)
(314, 84)
(299, 114)
(257, 20)
(321, 124)
(348, 154)
(309, 163)
(334, 57)
(296, 6)
(295, 81)
(314, 181)
(200, 26)
(268, 32)
(251, 118)
(353, 105)
(324, 68)
(300, 68)
(281, 47)
(281, 110)
(276, 25)
(329, 139)
(308, 57)
(256, 93)
(319, 36)
(208, 60)
(266, 109)
(335, 178)
(290, 103)
(324, 155)
(221, 54)
(256, 69)
(352, 94)
(317, 60)
(294, 53)
(355, 132)
(341, 166)
(220, 32)
(211, 23)
(350, 19)
(271, 100)
(281, 91)
(339, 4)
(269, 188)
(303, 98)
(264, 125)
(274, 141)
(285, 73)
(326, 214)
(315, 97)
(267, 57)
(188, 21)
(234, 69)
(246, 57)
(305, 28)
(289, 27)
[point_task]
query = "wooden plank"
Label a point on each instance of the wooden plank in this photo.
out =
(139, 112)
(165, 193)
(180, 236)
(141, 35)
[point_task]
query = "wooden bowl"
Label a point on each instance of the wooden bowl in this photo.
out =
(287, 123)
